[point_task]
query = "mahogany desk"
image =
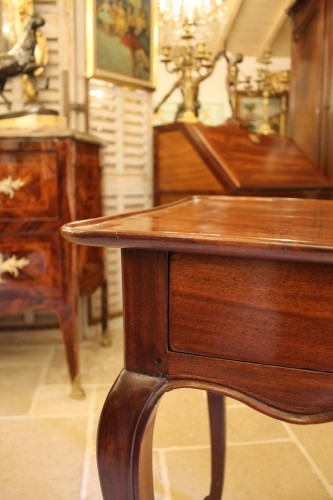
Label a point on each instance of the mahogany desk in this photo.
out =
(230, 295)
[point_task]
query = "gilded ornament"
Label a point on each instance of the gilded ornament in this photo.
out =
(9, 185)
(12, 265)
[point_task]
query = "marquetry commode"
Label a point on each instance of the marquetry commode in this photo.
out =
(48, 177)
(232, 295)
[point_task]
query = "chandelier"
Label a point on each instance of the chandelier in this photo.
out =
(191, 42)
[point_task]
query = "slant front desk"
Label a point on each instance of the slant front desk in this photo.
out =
(230, 295)
(194, 159)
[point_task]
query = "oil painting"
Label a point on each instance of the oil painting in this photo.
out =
(121, 44)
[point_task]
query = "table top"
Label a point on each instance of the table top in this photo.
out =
(285, 228)
(43, 132)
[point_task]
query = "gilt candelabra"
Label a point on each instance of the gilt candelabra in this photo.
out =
(191, 42)
(266, 85)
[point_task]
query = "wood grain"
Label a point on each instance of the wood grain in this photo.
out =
(194, 159)
(311, 108)
(254, 310)
(230, 295)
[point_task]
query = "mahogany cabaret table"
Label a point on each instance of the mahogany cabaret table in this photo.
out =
(232, 295)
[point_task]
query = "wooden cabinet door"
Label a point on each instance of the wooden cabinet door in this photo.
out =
(327, 114)
(311, 110)
(307, 77)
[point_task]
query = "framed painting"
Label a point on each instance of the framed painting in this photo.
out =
(250, 110)
(121, 41)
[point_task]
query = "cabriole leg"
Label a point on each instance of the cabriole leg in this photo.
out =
(68, 326)
(217, 435)
(125, 435)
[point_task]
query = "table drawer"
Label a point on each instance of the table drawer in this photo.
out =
(252, 310)
(28, 185)
(30, 266)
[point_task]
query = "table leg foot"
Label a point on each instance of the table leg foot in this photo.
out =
(77, 392)
(217, 436)
(125, 435)
(106, 338)
(68, 325)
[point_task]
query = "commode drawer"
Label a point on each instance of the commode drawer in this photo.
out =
(29, 266)
(253, 310)
(29, 185)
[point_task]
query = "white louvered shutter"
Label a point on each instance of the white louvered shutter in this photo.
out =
(121, 118)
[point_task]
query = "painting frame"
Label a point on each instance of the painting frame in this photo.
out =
(247, 103)
(122, 55)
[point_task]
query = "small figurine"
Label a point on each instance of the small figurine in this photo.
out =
(20, 59)
(232, 78)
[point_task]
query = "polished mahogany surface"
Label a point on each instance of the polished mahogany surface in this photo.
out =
(256, 160)
(231, 295)
(194, 159)
(294, 227)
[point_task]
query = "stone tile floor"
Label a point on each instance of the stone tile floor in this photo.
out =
(47, 449)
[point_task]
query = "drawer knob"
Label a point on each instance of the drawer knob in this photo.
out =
(12, 265)
(9, 185)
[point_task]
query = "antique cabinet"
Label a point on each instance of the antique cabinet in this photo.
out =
(195, 159)
(47, 178)
(311, 105)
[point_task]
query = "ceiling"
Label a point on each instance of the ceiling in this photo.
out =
(255, 25)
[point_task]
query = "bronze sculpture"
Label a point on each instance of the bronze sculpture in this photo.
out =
(20, 59)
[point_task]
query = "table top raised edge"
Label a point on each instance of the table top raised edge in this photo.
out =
(223, 225)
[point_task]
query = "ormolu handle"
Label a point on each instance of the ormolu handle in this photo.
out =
(9, 185)
(12, 265)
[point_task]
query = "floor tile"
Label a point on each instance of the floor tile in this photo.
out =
(55, 400)
(17, 388)
(24, 354)
(92, 487)
(232, 403)
(265, 472)
(42, 458)
(51, 439)
(186, 426)
(245, 425)
(31, 337)
(272, 472)
(98, 364)
(318, 443)
(161, 485)
(188, 473)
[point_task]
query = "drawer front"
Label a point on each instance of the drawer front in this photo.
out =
(30, 266)
(28, 185)
(276, 313)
